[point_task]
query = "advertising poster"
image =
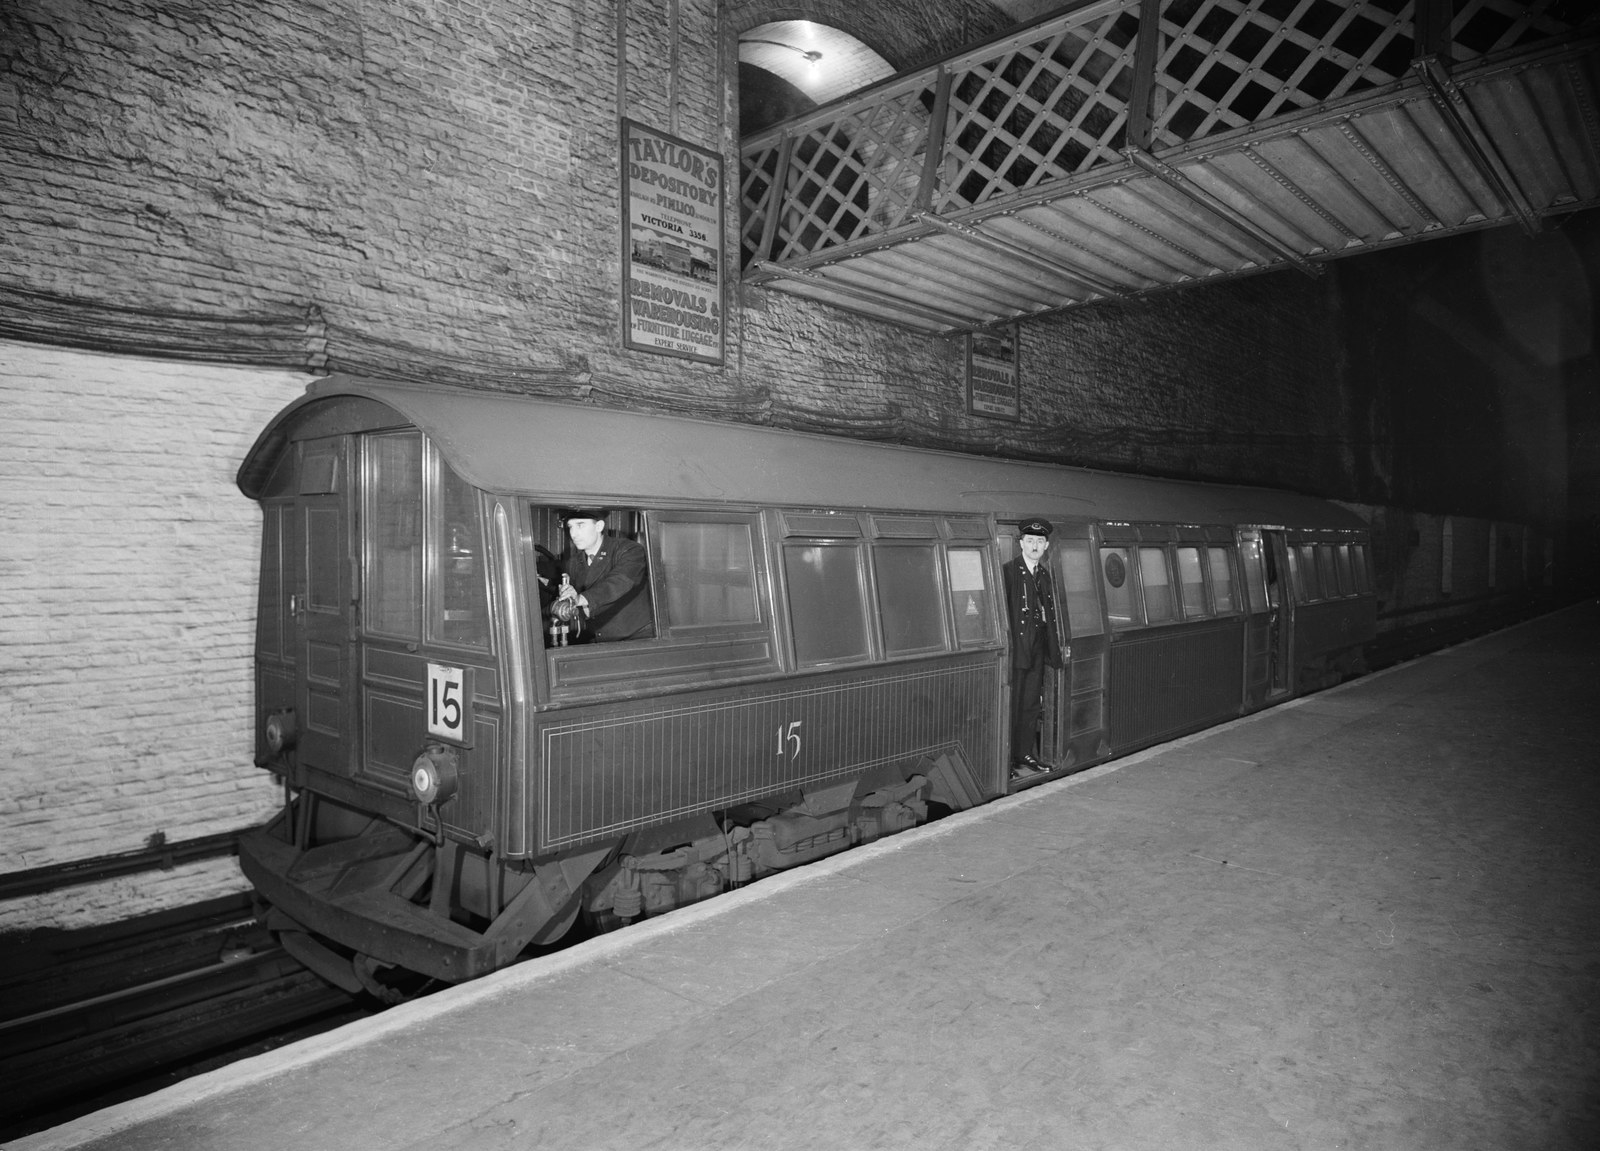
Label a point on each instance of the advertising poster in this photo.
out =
(993, 384)
(671, 245)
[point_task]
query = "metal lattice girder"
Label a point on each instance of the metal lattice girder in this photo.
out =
(1127, 146)
(1046, 108)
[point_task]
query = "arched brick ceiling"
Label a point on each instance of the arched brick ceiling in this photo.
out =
(825, 63)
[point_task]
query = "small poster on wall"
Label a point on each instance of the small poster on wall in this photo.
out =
(671, 245)
(994, 386)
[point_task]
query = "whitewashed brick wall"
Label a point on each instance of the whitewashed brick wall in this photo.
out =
(127, 602)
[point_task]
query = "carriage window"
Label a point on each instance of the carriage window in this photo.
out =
(1358, 563)
(908, 598)
(970, 595)
(1158, 605)
(1191, 584)
(1326, 575)
(1255, 580)
(1221, 580)
(394, 532)
(461, 614)
(1119, 588)
(1347, 579)
(708, 570)
(825, 601)
(1303, 568)
(1077, 576)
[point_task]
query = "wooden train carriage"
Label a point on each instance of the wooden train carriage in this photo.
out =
(828, 655)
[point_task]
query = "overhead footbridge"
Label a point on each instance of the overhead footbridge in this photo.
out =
(1124, 147)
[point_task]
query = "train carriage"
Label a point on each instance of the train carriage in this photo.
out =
(827, 661)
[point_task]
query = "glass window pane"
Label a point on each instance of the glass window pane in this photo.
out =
(324, 559)
(1347, 579)
(1221, 580)
(709, 574)
(1303, 564)
(1191, 584)
(1255, 575)
(1326, 576)
(1118, 585)
(970, 596)
(825, 602)
(463, 587)
(1358, 562)
(1158, 604)
(1077, 576)
(394, 529)
(908, 598)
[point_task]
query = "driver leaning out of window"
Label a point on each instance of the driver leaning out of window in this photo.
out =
(608, 593)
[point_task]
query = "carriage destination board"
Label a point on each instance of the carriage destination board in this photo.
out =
(671, 245)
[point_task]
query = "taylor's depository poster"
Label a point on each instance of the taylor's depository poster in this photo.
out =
(671, 245)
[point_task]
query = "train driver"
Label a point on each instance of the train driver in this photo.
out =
(1031, 611)
(607, 593)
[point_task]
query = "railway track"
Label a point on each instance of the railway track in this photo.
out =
(92, 1018)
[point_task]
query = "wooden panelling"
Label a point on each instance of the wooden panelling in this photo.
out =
(1169, 680)
(609, 769)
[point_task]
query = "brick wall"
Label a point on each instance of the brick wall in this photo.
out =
(127, 595)
(438, 182)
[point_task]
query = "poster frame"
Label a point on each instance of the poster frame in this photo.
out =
(994, 350)
(648, 267)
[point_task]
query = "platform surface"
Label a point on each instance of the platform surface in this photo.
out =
(1369, 919)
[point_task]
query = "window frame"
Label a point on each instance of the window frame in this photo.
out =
(652, 523)
(856, 544)
(941, 593)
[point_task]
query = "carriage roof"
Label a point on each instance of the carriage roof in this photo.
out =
(555, 451)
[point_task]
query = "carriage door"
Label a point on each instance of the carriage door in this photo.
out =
(1265, 556)
(320, 603)
(1082, 684)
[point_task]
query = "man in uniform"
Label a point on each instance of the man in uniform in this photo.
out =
(1031, 609)
(609, 590)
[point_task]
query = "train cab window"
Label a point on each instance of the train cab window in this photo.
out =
(970, 595)
(1221, 581)
(1358, 564)
(1118, 585)
(825, 601)
(460, 609)
(909, 603)
(393, 598)
(1157, 582)
(1347, 579)
(1077, 578)
(1191, 582)
(624, 610)
(707, 573)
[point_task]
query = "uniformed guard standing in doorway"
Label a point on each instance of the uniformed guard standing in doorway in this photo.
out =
(1035, 646)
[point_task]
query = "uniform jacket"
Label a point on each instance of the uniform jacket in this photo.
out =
(1022, 616)
(617, 585)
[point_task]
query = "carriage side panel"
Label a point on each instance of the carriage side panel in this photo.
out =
(606, 770)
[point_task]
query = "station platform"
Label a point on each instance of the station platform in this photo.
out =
(1367, 919)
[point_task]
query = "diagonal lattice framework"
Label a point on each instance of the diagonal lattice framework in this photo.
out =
(1057, 101)
(1226, 64)
(844, 176)
(1043, 110)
